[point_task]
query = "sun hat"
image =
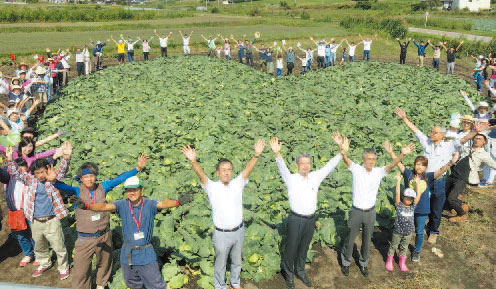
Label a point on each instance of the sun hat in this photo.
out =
(290, 48)
(50, 59)
(455, 123)
(22, 64)
(467, 118)
(40, 70)
(133, 183)
(482, 134)
(16, 87)
(482, 104)
(11, 111)
(409, 193)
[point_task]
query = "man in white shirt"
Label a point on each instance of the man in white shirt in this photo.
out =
(351, 50)
(367, 42)
(130, 48)
(226, 200)
(65, 63)
(163, 43)
(366, 181)
(303, 188)
(438, 153)
(79, 61)
(186, 39)
(320, 52)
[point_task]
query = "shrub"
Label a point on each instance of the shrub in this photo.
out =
(364, 5)
(285, 5)
(395, 27)
(305, 15)
(215, 10)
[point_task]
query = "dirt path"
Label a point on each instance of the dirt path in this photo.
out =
(451, 34)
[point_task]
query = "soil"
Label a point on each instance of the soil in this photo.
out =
(469, 249)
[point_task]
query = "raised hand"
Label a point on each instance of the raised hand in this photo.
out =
(51, 174)
(190, 153)
(67, 149)
(142, 162)
(481, 126)
(259, 147)
(275, 145)
(398, 177)
(463, 93)
(400, 112)
(408, 149)
(337, 138)
(388, 147)
(345, 146)
(8, 153)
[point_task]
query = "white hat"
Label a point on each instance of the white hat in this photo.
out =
(482, 133)
(482, 104)
(40, 70)
(16, 87)
(409, 193)
(455, 123)
(481, 56)
(133, 183)
(98, 42)
(11, 111)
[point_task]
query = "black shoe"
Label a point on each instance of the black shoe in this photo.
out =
(304, 278)
(345, 270)
(365, 271)
(289, 281)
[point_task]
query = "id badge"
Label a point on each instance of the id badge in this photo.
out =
(95, 217)
(139, 235)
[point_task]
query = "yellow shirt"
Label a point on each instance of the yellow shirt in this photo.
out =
(121, 48)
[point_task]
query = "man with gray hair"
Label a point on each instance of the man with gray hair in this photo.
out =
(438, 153)
(366, 181)
(302, 192)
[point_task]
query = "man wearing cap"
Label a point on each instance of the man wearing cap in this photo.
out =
(438, 153)
(138, 259)
(320, 52)
(466, 171)
(98, 54)
(436, 57)
(226, 200)
(366, 182)
(93, 229)
(303, 189)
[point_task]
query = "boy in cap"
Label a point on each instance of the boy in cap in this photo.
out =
(138, 260)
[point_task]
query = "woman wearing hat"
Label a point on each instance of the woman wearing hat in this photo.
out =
(466, 171)
(290, 58)
(481, 111)
(41, 85)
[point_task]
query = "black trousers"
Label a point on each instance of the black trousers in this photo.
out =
(402, 58)
(320, 61)
(300, 233)
(163, 51)
(80, 68)
(145, 55)
(454, 187)
(290, 66)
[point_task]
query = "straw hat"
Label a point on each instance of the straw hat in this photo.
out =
(40, 70)
(467, 118)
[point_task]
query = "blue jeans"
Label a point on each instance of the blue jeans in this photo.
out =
(352, 58)
(25, 240)
(435, 63)
(419, 230)
(438, 198)
(328, 60)
(478, 81)
(309, 64)
(366, 55)
(279, 71)
(333, 59)
(130, 56)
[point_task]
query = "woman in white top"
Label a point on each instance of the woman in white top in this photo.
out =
(146, 48)
(87, 60)
(227, 48)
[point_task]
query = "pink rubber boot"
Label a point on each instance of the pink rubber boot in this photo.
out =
(389, 263)
(403, 266)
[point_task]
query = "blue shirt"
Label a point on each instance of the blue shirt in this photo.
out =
(421, 48)
(107, 185)
(43, 206)
(424, 204)
(129, 228)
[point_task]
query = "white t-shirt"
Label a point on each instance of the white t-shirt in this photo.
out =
(334, 48)
(279, 63)
(79, 57)
(186, 41)
(351, 50)
(304, 61)
(226, 202)
(321, 50)
(367, 44)
(366, 185)
(163, 41)
(65, 61)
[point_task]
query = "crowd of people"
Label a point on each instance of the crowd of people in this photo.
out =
(35, 190)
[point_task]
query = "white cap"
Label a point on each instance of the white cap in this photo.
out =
(11, 111)
(133, 183)
(482, 104)
(409, 193)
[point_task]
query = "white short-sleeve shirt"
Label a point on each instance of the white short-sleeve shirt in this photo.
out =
(366, 185)
(367, 44)
(186, 41)
(226, 202)
(163, 41)
(321, 50)
(351, 49)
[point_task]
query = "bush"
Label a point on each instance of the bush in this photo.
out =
(421, 6)
(285, 5)
(215, 10)
(255, 11)
(305, 15)
(395, 27)
(364, 5)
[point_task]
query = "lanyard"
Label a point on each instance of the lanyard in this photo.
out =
(93, 201)
(137, 222)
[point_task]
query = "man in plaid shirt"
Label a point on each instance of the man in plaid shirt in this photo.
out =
(44, 209)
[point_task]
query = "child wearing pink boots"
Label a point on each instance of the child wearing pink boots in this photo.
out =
(404, 223)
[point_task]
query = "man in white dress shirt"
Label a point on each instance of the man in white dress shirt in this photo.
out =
(438, 152)
(366, 181)
(303, 188)
(226, 200)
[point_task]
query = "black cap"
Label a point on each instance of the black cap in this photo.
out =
(29, 130)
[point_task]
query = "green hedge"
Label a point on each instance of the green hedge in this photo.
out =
(394, 26)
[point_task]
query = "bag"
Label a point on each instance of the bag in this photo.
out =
(17, 221)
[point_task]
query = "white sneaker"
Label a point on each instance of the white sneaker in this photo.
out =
(26, 260)
(100, 287)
